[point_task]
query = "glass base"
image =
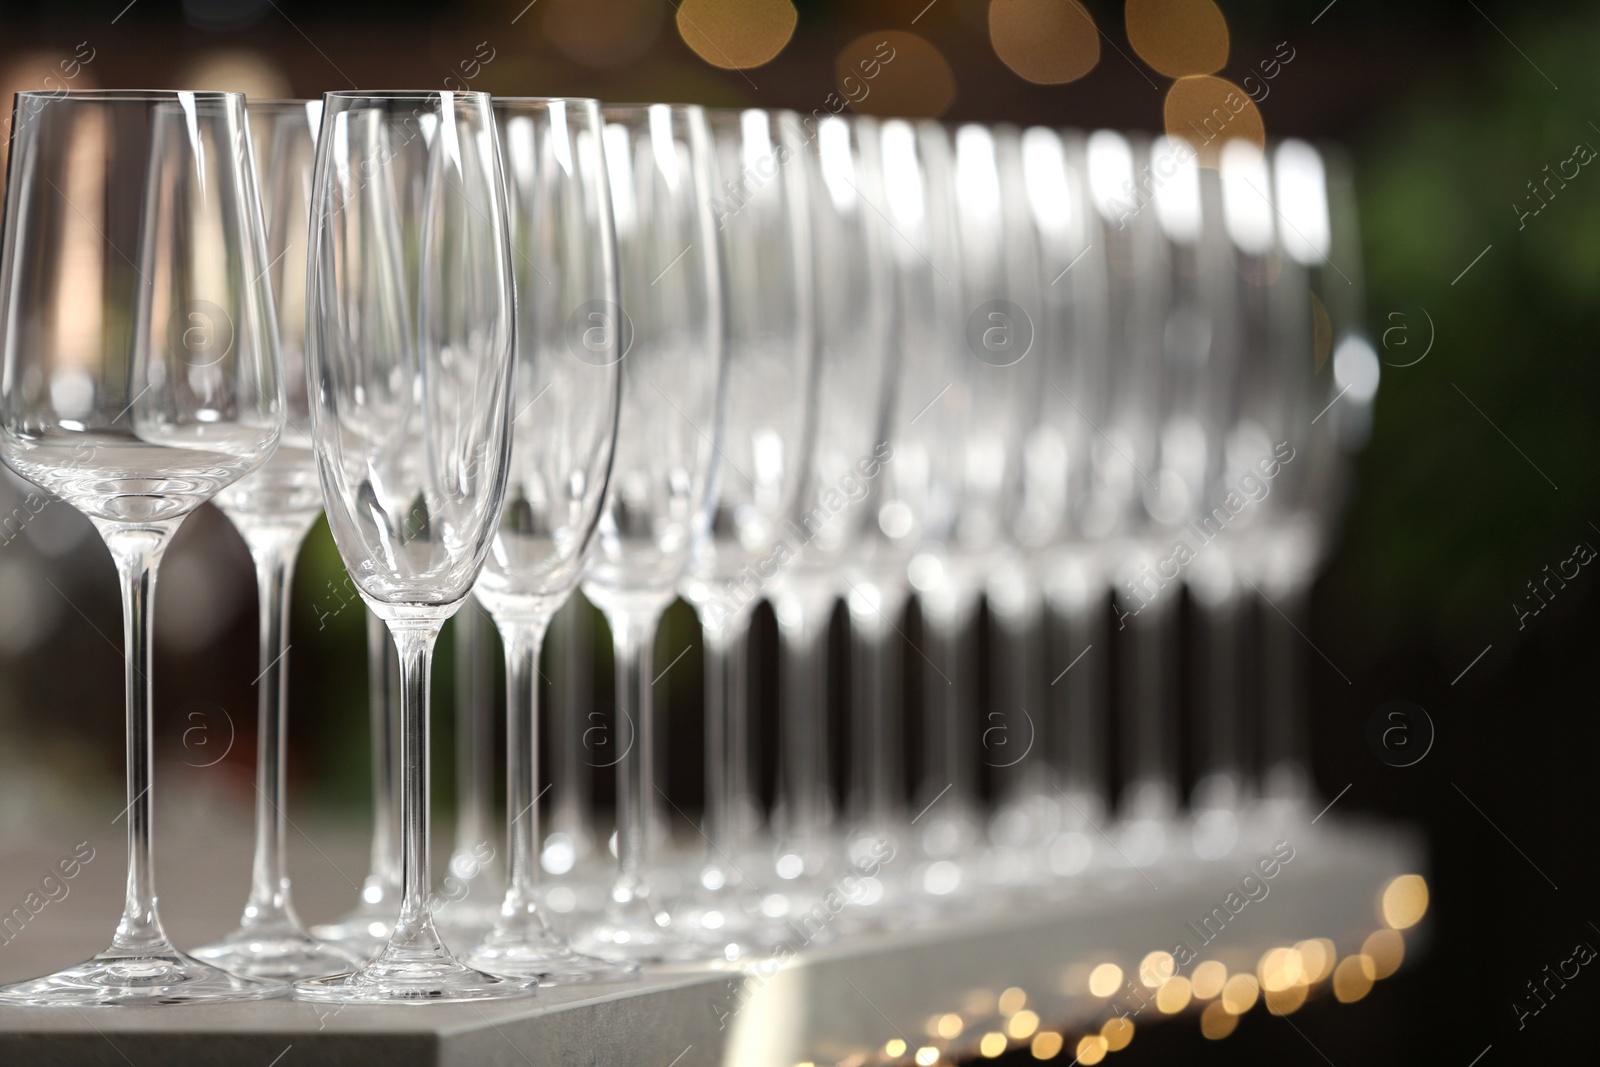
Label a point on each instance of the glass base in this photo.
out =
(627, 932)
(279, 950)
(440, 981)
(166, 977)
(548, 957)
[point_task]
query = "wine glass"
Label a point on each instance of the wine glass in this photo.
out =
(663, 480)
(409, 346)
(141, 377)
(273, 509)
(564, 429)
(849, 447)
(769, 392)
(914, 503)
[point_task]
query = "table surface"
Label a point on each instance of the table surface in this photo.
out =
(824, 1005)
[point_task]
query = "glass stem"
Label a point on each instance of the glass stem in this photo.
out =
(875, 704)
(727, 737)
(474, 742)
(949, 700)
(1220, 651)
(803, 713)
(138, 551)
(1078, 693)
(633, 634)
(269, 875)
(569, 807)
(383, 686)
(1019, 710)
(523, 638)
(414, 930)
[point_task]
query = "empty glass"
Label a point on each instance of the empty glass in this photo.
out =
(409, 350)
(140, 378)
(663, 478)
(564, 428)
(272, 510)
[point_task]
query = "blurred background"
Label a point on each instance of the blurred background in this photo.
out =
(1481, 280)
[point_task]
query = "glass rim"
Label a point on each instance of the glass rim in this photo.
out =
(638, 108)
(401, 94)
(543, 101)
(153, 96)
(281, 103)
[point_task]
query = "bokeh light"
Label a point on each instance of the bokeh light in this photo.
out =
(1208, 112)
(992, 1044)
(1178, 37)
(602, 33)
(1317, 957)
(737, 34)
(910, 78)
(1405, 901)
(1217, 1022)
(1387, 950)
(1105, 979)
(1012, 1001)
(1049, 42)
(1173, 996)
(1022, 1025)
(948, 1026)
(1156, 968)
(1047, 1045)
(1352, 979)
(1240, 993)
(1280, 969)
(237, 70)
(1208, 979)
(1118, 1033)
(1091, 1049)
(1285, 1001)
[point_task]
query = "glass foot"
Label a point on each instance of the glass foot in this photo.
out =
(277, 951)
(162, 977)
(437, 981)
(548, 957)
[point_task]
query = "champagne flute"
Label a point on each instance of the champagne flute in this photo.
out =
(769, 385)
(663, 481)
(273, 509)
(409, 349)
(140, 378)
(564, 429)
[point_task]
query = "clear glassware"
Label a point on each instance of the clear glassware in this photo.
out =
(769, 398)
(141, 376)
(364, 929)
(997, 387)
(834, 513)
(568, 391)
(914, 503)
(410, 343)
(273, 509)
(663, 479)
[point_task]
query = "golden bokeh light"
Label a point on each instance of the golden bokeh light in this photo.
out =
(1317, 957)
(1240, 993)
(237, 70)
(926, 1056)
(1022, 1025)
(1118, 1033)
(737, 34)
(1012, 1001)
(1048, 42)
(602, 33)
(893, 73)
(894, 1048)
(1178, 37)
(1105, 980)
(948, 1026)
(1207, 111)
(1387, 950)
(1280, 969)
(1405, 901)
(1156, 968)
(1352, 979)
(1285, 1001)
(992, 1044)
(1173, 996)
(1047, 1046)
(1208, 979)
(1091, 1049)
(1217, 1022)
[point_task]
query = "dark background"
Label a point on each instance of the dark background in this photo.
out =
(1480, 471)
